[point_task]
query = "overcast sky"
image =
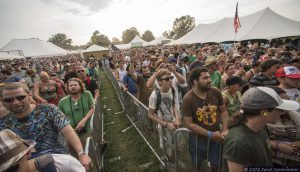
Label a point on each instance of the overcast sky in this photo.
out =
(80, 18)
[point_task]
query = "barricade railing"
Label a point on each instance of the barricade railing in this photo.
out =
(95, 143)
(137, 113)
(170, 148)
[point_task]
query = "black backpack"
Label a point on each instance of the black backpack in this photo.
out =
(158, 100)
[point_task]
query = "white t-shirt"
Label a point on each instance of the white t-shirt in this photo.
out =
(67, 163)
(294, 95)
(165, 111)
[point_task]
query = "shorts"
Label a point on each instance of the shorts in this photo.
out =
(199, 152)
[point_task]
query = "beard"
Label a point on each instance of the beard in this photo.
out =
(75, 91)
(204, 88)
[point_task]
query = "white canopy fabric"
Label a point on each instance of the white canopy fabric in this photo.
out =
(157, 41)
(123, 46)
(263, 24)
(34, 47)
(94, 48)
(6, 56)
(138, 42)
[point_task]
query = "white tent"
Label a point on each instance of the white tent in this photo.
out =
(6, 56)
(123, 46)
(34, 47)
(95, 48)
(158, 41)
(137, 42)
(263, 24)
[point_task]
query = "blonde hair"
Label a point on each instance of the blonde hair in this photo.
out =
(162, 72)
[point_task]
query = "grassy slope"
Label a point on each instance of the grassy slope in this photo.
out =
(129, 145)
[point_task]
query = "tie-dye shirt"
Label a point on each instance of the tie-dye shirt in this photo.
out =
(42, 125)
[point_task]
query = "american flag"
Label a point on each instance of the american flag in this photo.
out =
(236, 22)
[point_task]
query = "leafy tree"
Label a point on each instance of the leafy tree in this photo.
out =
(99, 39)
(61, 40)
(148, 36)
(181, 26)
(168, 34)
(129, 34)
(116, 41)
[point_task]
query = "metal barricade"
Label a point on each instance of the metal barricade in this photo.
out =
(137, 114)
(95, 143)
(170, 148)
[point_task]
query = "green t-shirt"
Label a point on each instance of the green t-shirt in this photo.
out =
(216, 79)
(246, 147)
(77, 111)
(192, 58)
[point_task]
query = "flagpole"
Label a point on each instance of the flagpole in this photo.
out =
(234, 41)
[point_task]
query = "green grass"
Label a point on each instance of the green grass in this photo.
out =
(129, 146)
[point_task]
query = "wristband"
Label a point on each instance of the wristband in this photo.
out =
(210, 134)
(80, 153)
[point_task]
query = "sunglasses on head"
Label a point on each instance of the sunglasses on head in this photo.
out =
(11, 99)
(168, 78)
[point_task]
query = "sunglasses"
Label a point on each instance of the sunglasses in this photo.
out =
(80, 71)
(11, 99)
(168, 78)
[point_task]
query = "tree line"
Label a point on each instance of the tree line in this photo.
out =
(181, 26)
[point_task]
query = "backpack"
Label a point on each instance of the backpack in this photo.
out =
(45, 163)
(158, 100)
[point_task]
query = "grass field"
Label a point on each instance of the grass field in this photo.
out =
(125, 151)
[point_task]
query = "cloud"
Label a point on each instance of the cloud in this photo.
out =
(90, 5)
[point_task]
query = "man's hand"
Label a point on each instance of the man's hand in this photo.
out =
(224, 133)
(171, 126)
(217, 136)
(85, 160)
(80, 125)
(286, 148)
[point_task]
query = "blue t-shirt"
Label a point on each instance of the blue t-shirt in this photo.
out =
(14, 78)
(131, 84)
(42, 125)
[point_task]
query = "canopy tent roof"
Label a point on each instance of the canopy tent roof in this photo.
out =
(263, 24)
(33, 47)
(94, 48)
(123, 46)
(137, 38)
(157, 41)
(6, 56)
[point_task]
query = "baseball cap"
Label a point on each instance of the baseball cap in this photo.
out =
(210, 60)
(264, 98)
(288, 71)
(173, 60)
(12, 148)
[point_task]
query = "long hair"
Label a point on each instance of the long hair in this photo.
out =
(81, 84)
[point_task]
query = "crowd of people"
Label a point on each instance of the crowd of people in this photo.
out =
(245, 98)
(205, 88)
(46, 106)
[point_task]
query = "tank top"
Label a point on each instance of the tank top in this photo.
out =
(234, 103)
